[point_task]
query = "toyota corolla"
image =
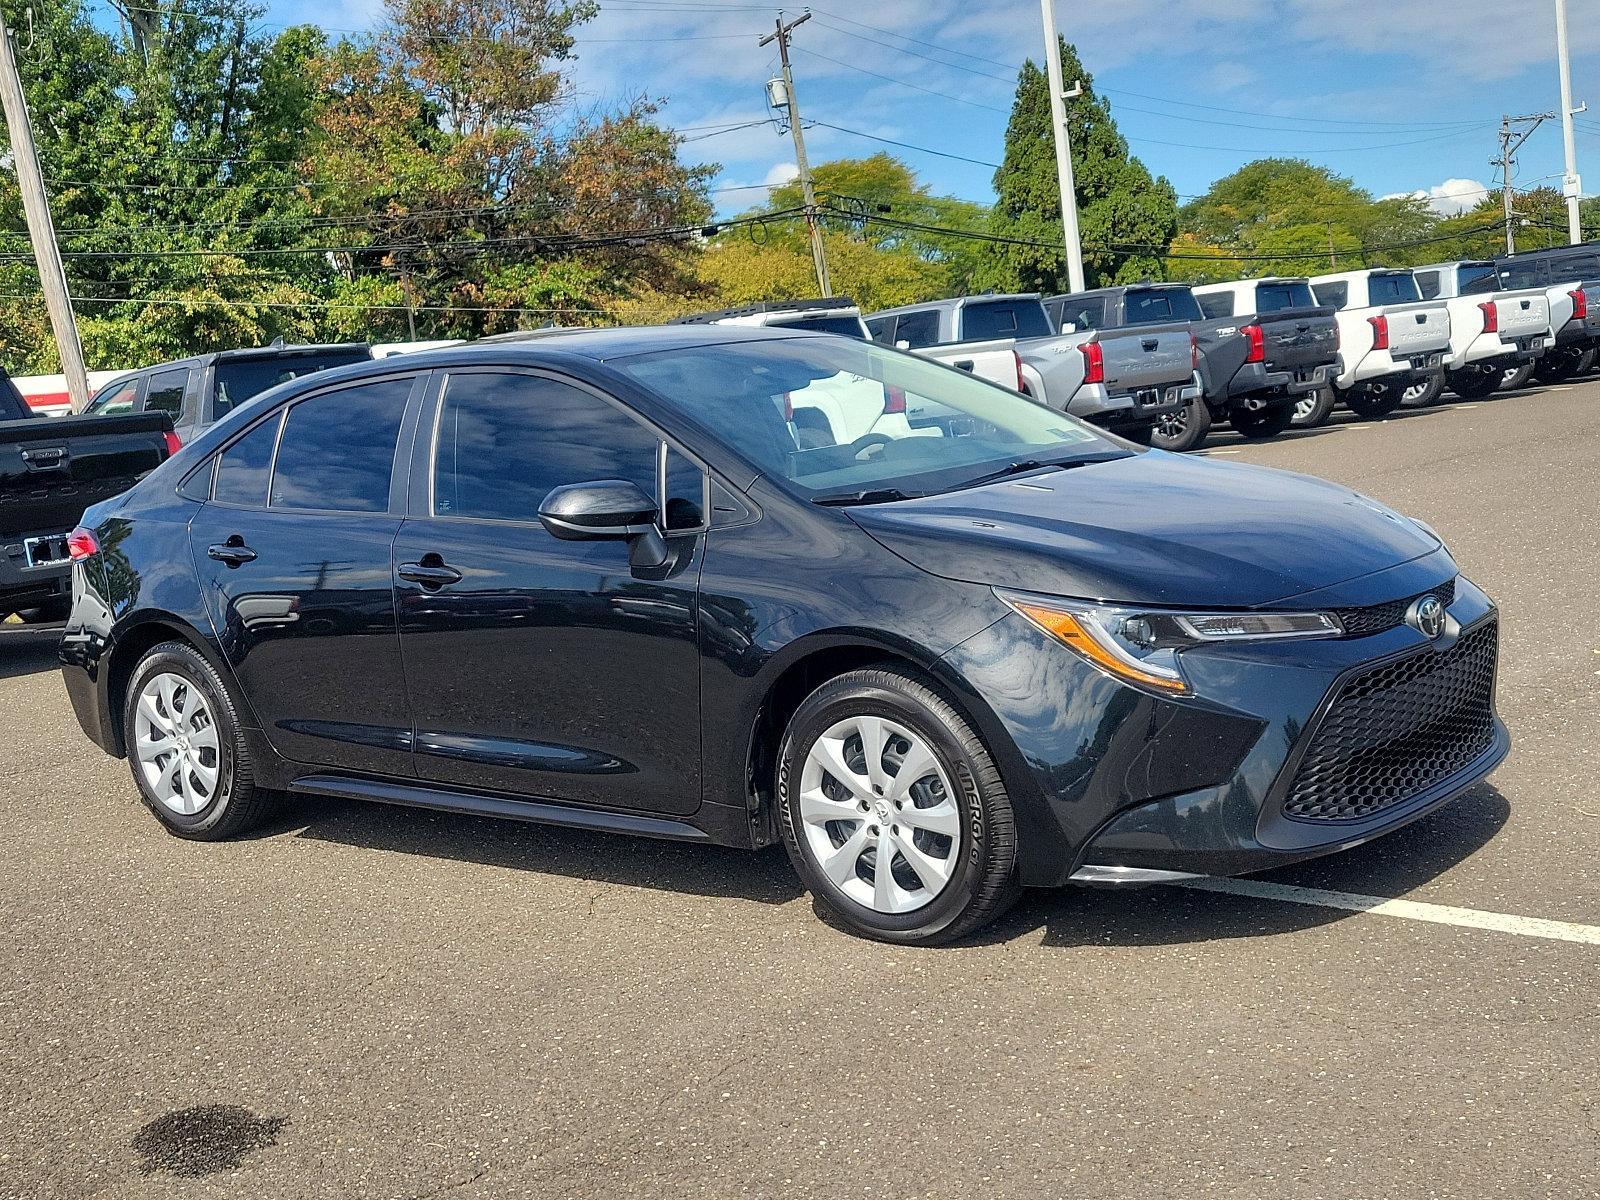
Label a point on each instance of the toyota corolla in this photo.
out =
(599, 580)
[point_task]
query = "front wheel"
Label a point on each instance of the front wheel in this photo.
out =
(1258, 424)
(186, 747)
(893, 811)
(1184, 429)
(1313, 409)
(1374, 401)
(1474, 383)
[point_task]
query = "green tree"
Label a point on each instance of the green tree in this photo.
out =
(1126, 218)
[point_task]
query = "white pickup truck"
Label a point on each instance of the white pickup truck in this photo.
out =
(1570, 279)
(1492, 330)
(837, 411)
(1390, 339)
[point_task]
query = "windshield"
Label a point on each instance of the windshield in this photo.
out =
(833, 418)
(982, 320)
(1156, 306)
(1275, 297)
(238, 379)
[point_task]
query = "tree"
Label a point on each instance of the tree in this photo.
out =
(1126, 218)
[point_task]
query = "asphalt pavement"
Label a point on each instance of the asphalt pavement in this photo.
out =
(374, 1002)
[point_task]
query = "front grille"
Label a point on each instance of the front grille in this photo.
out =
(1396, 729)
(1380, 618)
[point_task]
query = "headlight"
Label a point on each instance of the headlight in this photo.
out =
(1142, 646)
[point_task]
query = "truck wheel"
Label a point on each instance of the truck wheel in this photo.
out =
(1474, 383)
(1420, 395)
(1375, 401)
(1586, 360)
(1516, 377)
(1185, 429)
(1313, 409)
(893, 813)
(188, 753)
(1556, 365)
(1258, 424)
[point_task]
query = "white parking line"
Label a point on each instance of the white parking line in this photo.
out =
(1210, 452)
(1410, 910)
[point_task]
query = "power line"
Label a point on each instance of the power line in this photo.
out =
(872, 137)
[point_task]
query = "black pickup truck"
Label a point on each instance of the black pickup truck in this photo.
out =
(1254, 364)
(51, 469)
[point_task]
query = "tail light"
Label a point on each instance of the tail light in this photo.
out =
(1258, 344)
(1491, 316)
(894, 400)
(1094, 363)
(1194, 353)
(1580, 304)
(1380, 332)
(82, 544)
(174, 443)
(788, 408)
(1022, 384)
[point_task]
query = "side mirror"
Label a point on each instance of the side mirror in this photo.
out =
(606, 508)
(902, 345)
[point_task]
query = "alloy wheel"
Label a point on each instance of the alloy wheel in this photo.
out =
(878, 814)
(1305, 406)
(1173, 424)
(176, 743)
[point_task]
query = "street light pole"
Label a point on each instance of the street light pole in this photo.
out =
(1063, 136)
(1571, 184)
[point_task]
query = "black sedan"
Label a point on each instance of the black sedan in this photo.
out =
(598, 580)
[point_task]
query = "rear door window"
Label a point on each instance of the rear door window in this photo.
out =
(1399, 288)
(1574, 268)
(1475, 279)
(1089, 313)
(1003, 319)
(1522, 274)
(1333, 295)
(1275, 297)
(881, 329)
(166, 390)
(337, 449)
(1158, 306)
(918, 329)
(116, 398)
(1216, 304)
(1428, 284)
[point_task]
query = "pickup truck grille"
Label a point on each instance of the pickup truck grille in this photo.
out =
(1380, 618)
(1398, 728)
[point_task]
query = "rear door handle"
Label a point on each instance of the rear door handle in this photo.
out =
(233, 552)
(431, 572)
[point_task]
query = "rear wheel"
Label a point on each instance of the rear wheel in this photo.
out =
(1556, 365)
(1184, 429)
(893, 812)
(1375, 400)
(1420, 395)
(1516, 377)
(1313, 409)
(1257, 424)
(186, 747)
(1474, 383)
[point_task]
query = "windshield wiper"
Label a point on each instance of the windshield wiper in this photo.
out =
(1022, 466)
(868, 496)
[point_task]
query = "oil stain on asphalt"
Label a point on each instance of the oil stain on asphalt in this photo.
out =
(199, 1141)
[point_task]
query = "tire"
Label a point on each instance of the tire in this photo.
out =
(1313, 409)
(831, 813)
(1474, 383)
(1185, 429)
(187, 698)
(1420, 395)
(1586, 360)
(1374, 402)
(1556, 366)
(1516, 377)
(1261, 423)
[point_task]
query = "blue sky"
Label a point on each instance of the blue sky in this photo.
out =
(1402, 95)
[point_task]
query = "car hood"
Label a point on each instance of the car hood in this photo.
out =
(1152, 528)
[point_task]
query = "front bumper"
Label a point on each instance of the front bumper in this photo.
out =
(1113, 785)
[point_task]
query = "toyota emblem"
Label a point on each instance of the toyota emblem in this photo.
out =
(1427, 617)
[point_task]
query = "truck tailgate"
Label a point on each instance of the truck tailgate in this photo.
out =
(1418, 328)
(1145, 356)
(994, 360)
(1521, 314)
(1298, 338)
(51, 469)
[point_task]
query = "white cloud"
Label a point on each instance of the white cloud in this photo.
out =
(1448, 199)
(781, 173)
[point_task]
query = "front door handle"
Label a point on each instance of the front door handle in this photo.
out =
(431, 572)
(233, 552)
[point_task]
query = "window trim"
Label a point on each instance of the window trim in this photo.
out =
(421, 498)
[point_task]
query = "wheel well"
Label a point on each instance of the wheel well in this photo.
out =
(787, 693)
(130, 648)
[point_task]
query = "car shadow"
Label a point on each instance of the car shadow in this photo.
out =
(28, 650)
(691, 869)
(1390, 867)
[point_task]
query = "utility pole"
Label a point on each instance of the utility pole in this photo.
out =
(1058, 120)
(30, 181)
(819, 254)
(1571, 185)
(1508, 150)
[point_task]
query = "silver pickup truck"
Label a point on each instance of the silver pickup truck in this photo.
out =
(1124, 380)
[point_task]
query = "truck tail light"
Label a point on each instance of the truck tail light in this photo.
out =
(1094, 363)
(894, 400)
(1380, 332)
(1194, 353)
(1491, 317)
(1022, 384)
(174, 443)
(1258, 344)
(1580, 304)
(82, 544)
